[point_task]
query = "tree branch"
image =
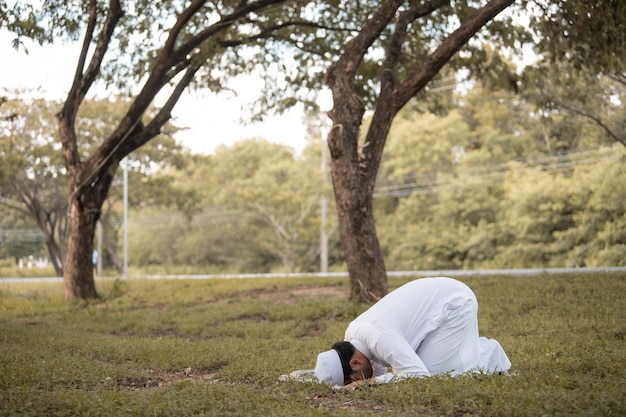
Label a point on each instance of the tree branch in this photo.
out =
(183, 19)
(130, 134)
(269, 33)
(72, 97)
(114, 14)
(356, 48)
(171, 61)
(244, 9)
(165, 113)
(430, 66)
(618, 78)
(394, 48)
(82, 81)
(386, 109)
(597, 120)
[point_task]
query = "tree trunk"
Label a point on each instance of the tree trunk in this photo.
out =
(364, 258)
(354, 191)
(55, 251)
(78, 278)
(110, 250)
(353, 172)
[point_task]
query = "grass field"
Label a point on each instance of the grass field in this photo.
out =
(217, 348)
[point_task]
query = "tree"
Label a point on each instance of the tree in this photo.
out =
(407, 67)
(198, 37)
(260, 210)
(280, 202)
(150, 172)
(32, 178)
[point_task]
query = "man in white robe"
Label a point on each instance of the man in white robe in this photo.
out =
(426, 327)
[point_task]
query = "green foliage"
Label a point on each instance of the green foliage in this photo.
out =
(32, 175)
(585, 33)
(218, 347)
(563, 93)
(285, 220)
(477, 187)
(486, 191)
(261, 213)
(22, 21)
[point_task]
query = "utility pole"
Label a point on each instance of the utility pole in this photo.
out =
(324, 209)
(125, 266)
(99, 249)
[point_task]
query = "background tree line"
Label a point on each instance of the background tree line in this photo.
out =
(492, 182)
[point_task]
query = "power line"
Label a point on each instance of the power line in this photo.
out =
(427, 183)
(542, 160)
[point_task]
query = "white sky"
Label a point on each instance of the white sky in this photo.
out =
(211, 121)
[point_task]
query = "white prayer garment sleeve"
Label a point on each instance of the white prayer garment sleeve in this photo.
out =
(395, 351)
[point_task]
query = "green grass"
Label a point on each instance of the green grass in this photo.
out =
(217, 348)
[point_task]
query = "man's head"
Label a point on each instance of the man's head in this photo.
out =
(342, 365)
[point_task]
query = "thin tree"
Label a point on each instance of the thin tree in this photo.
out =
(31, 177)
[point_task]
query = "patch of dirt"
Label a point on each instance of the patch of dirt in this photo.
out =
(290, 296)
(336, 402)
(162, 378)
(164, 332)
(313, 292)
(312, 332)
(139, 383)
(278, 295)
(318, 292)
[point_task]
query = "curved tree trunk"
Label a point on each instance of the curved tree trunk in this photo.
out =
(353, 194)
(364, 258)
(85, 205)
(110, 250)
(352, 172)
(354, 169)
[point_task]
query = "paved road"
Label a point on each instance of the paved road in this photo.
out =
(447, 273)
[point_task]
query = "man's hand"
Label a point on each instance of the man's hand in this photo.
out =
(357, 384)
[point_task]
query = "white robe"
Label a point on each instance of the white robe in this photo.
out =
(426, 327)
